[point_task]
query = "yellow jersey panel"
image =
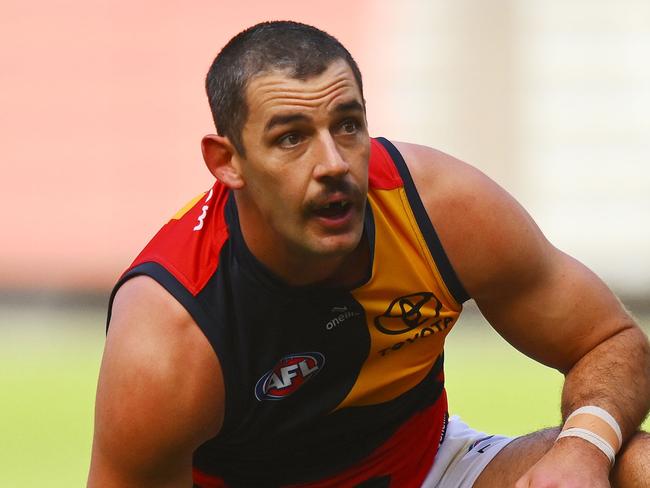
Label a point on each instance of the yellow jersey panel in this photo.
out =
(408, 309)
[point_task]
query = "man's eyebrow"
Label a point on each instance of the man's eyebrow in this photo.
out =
(348, 106)
(282, 119)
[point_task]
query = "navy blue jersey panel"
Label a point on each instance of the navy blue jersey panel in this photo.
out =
(322, 447)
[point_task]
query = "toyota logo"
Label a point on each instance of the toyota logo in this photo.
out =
(405, 313)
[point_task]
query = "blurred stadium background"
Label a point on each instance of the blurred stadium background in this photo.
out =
(103, 109)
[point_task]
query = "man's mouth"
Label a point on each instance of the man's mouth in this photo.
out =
(333, 210)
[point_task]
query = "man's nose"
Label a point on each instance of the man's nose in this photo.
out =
(330, 162)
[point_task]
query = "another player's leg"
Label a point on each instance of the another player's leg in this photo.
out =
(516, 458)
(632, 468)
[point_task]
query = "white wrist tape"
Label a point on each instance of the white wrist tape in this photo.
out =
(602, 414)
(595, 439)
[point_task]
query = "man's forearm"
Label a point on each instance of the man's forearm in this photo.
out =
(615, 376)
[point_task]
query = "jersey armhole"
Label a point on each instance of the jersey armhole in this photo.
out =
(431, 238)
(167, 280)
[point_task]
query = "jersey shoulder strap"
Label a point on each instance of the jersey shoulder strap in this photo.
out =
(387, 171)
(188, 245)
(185, 252)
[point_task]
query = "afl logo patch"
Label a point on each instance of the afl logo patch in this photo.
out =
(289, 374)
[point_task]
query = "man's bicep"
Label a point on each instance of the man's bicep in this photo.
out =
(558, 315)
(159, 393)
(544, 302)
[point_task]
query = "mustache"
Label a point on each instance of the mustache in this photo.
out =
(339, 188)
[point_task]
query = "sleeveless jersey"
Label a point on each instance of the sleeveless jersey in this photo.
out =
(324, 387)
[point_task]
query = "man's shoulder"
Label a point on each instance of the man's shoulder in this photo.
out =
(486, 233)
(188, 245)
(436, 172)
(447, 183)
(144, 301)
(432, 170)
(146, 315)
(456, 195)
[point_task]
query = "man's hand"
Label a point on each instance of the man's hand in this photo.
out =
(571, 463)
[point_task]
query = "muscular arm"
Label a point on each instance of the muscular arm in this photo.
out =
(159, 396)
(545, 303)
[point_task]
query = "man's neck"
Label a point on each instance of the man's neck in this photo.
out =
(296, 270)
(299, 269)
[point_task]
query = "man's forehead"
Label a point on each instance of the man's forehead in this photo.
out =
(278, 86)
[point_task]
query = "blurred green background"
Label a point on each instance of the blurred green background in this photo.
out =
(50, 357)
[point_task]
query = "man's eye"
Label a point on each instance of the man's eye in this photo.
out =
(349, 127)
(289, 140)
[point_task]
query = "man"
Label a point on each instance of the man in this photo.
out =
(286, 327)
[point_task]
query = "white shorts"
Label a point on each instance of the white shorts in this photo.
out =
(462, 456)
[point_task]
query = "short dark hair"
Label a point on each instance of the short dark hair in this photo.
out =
(300, 49)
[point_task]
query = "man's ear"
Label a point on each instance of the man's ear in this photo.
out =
(220, 158)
